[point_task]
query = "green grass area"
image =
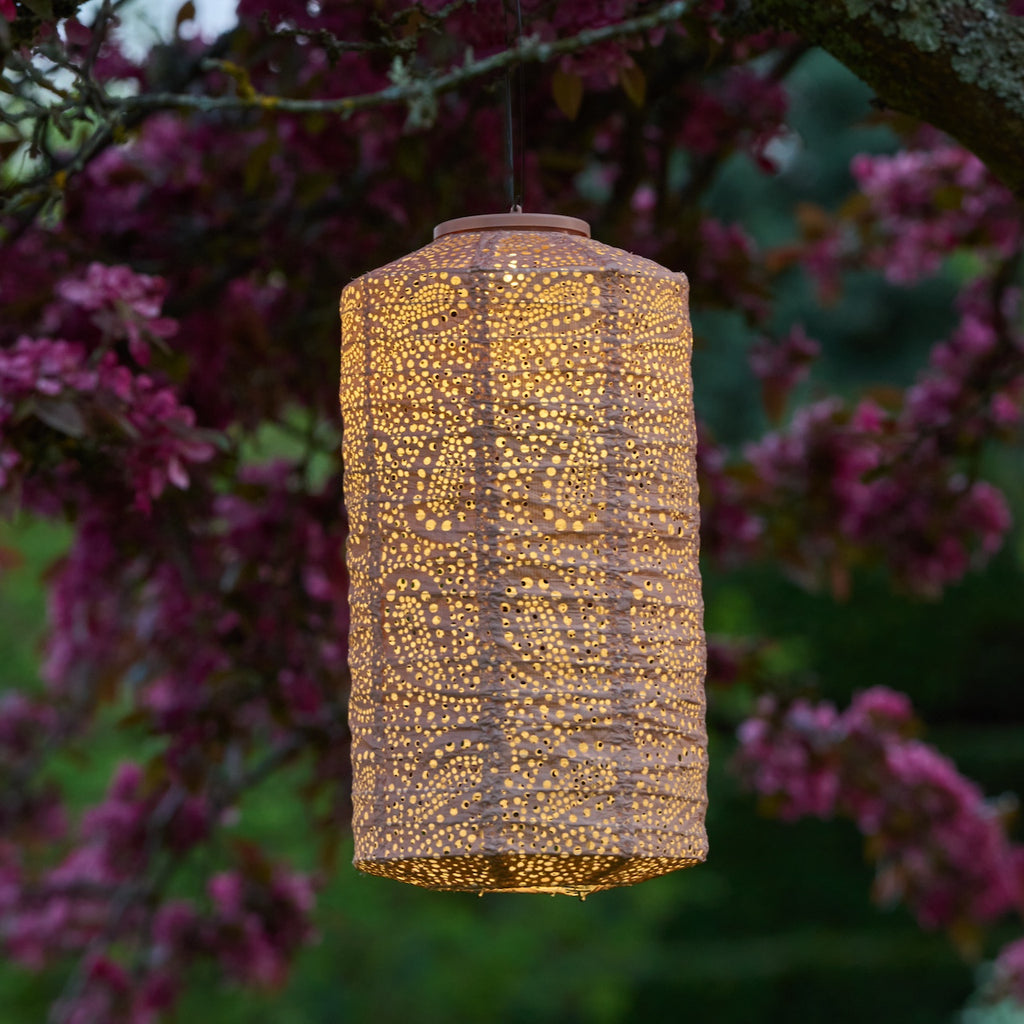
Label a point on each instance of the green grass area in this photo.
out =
(30, 546)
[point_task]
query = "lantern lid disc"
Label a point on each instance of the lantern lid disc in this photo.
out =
(514, 222)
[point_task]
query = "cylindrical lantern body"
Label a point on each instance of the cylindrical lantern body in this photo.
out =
(527, 648)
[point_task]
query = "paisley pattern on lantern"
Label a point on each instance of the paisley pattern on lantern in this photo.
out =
(527, 704)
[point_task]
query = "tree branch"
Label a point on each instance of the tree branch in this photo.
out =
(957, 64)
(417, 91)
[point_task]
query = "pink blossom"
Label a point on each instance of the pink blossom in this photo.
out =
(260, 927)
(781, 365)
(174, 926)
(102, 402)
(880, 707)
(940, 847)
(226, 890)
(741, 108)
(726, 267)
(1008, 973)
(868, 417)
(786, 765)
(988, 514)
(124, 305)
(728, 527)
(929, 201)
(1005, 409)
(644, 199)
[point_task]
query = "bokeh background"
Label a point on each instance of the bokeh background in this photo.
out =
(779, 925)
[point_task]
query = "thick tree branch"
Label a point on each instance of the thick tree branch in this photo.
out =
(958, 64)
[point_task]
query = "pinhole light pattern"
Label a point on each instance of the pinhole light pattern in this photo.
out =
(527, 646)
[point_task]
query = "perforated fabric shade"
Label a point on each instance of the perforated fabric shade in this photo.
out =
(527, 650)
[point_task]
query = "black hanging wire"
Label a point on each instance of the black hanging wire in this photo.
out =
(514, 104)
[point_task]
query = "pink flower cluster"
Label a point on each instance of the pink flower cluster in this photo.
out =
(88, 606)
(257, 919)
(974, 384)
(599, 65)
(262, 602)
(938, 845)
(111, 992)
(117, 304)
(116, 841)
(80, 390)
(149, 436)
(729, 270)
(1007, 981)
(741, 110)
(269, 557)
(114, 195)
(260, 925)
(827, 504)
(28, 805)
(273, 594)
(840, 486)
(730, 529)
(781, 365)
(141, 201)
(925, 203)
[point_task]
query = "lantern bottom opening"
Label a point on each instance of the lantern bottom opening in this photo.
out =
(537, 873)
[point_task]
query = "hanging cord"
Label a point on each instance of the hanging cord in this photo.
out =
(514, 104)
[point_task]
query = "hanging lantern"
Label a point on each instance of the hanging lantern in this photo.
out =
(527, 650)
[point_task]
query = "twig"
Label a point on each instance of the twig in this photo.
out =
(130, 894)
(530, 49)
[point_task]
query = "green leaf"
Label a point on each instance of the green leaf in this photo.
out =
(568, 92)
(948, 197)
(42, 8)
(110, 409)
(257, 169)
(186, 12)
(60, 413)
(634, 82)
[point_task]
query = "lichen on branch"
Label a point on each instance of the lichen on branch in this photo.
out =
(958, 64)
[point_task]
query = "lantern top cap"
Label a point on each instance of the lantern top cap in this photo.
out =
(514, 222)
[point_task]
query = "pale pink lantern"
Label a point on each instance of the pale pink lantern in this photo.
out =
(527, 647)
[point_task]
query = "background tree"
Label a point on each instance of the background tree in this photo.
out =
(175, 232)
